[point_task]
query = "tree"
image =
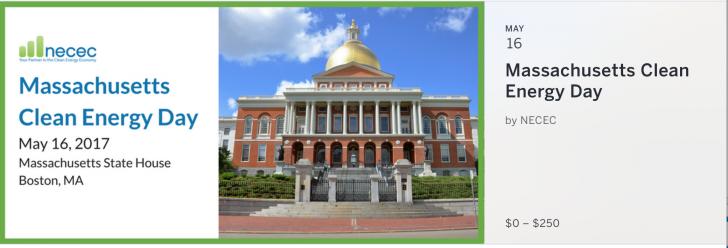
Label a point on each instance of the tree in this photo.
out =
(224, 160)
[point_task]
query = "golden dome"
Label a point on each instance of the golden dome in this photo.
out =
(353, 50)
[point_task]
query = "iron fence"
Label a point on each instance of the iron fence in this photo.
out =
(387, 190)
(256, 189)
(353, 190)
(320, 189)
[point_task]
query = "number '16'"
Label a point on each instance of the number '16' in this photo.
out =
(514, 43)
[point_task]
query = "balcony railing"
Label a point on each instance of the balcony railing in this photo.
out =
(353, 89)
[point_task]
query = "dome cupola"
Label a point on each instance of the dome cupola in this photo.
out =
(353, 50)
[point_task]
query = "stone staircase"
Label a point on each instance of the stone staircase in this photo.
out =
(245, 207)
(354, 210)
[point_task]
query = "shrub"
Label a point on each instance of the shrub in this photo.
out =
(227, 175)
(281, 177)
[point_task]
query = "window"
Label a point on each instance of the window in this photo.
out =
(442, 125)
(337, 123)
(300, 124)
(225, 144)
(428, 152)
(368, 123)
(260, 173)
(446, 173)
(321, 123)
(248, 126)
(279, 153)
(244, 172)
(406, 124)
(461, 153)
(226, 131)
(444, 153)
(426, 125)
(353, 124)
(384, 123)
(323, 86)
(458, 125)
(261, 152)
(263, 130)
(279, 125)
(336, 152)
(246, 152)
(464, 173)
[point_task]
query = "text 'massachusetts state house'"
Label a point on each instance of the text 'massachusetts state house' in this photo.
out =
(354, 117)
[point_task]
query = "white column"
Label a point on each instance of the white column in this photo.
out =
(413, 117)
(345, 120)
(419, 116)
(328, 117)
(376, 116)
(285, 119)
(312, 119)
(399, 118)
(292, 122)
(306, 120)
(361, 117)
(391, 117)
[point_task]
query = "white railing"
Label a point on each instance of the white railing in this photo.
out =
(353, 89)
(446, 97)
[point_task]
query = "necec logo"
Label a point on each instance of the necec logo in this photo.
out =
(37, 51)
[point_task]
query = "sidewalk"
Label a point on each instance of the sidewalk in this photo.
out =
(249, 224)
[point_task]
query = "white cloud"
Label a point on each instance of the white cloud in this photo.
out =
(390, 10)
(366, 30)
(235, 113)
(249, 35)
(232, 104)
(340, 17)
(288, 84)
(454, 19)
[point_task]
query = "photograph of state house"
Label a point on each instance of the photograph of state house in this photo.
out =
(342, 122)
(354, 116)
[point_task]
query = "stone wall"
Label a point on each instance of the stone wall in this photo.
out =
(460, 206)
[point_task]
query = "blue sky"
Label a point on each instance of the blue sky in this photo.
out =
(431, 48)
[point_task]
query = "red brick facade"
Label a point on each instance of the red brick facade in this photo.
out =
(353, 143)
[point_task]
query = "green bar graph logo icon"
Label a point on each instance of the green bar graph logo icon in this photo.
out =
(33, 48)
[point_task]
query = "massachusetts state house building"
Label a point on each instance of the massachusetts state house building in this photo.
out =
(354, 117)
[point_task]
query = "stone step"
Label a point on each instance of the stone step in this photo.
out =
(346, 215)
(354, 210)
(357, 209)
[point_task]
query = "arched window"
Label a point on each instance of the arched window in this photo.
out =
(442, 125)
(426, 125)
(458, 125)
(263, 127)
(279, 125)
(248, 129)
(369, 155)
(336, 152)
(386, 154)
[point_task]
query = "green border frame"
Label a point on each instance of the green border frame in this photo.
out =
(479, 5)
